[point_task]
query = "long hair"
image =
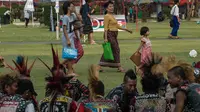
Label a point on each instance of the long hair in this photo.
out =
(96, 87)
(66, 5)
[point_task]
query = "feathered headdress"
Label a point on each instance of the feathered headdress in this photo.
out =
(56, 62)
(58, 78)
(153, 65)
(22, 66)
(171, 62)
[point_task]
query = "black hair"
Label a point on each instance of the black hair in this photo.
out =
(99, 88)
(144, 30)
(178, 71)
(107, 4)
(66, 5)
(60, 67)
(150, 84)
(176, 1)
(8, 80)
(130, 74)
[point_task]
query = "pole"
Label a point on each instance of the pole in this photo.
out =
(136, 10)
(57, 28)
(57, 12)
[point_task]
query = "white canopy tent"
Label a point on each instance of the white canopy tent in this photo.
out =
(29, 7)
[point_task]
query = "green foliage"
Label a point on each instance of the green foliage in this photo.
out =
(2, 11)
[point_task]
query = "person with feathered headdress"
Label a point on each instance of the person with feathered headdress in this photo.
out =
(74, 88)
(152, 82)
(21, 66)
(96, 100)
(55, 99)
(187, 96)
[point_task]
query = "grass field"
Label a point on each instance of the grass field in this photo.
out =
(128, 44)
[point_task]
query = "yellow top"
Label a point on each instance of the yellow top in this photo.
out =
(110, 23)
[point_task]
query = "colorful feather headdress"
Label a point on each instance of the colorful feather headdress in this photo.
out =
(171, 62)
(58, 74)
(22, 66)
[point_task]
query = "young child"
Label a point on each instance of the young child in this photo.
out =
(145, 45)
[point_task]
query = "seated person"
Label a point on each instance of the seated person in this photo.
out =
(126, 92)
(96, 100)
(187, 94)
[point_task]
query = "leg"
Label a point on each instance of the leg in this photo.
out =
(175, 27)
(91, 39)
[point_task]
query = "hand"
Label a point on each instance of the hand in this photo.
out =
(105, 40)
(68, 43)
(129, 31)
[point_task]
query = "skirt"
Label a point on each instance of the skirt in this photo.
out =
(79, 47)
(87, 29)
(112, 38)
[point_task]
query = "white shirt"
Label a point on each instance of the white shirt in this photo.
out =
(7, 12)
(175, 11)
(30, 108)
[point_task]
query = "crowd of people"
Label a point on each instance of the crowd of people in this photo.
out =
(168, 84)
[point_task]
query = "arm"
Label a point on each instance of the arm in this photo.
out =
(65, 24)
(106, 24)
(180, 101)
(92, 11)
(66, 35)
(125, 29)
(141, 44)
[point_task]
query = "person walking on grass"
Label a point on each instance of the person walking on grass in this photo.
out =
(145, 46)
(110, 35)
(176, 20)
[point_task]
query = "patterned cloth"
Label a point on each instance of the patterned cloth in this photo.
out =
(112, 38)
(150, 103)
(100, 105)
(193, 96)
(79, 47)
(145, 50)
(13, 104)
(62, 104)
(125, 102)
(76, 89)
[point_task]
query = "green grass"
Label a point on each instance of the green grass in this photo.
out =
(92, 55)
(158, 30)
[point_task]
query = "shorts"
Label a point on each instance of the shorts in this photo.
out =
(87, 29)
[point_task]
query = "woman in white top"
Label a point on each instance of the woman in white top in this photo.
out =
(176, 19)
